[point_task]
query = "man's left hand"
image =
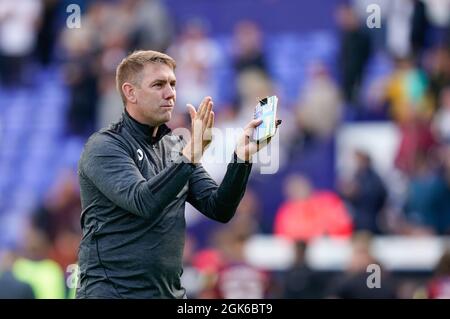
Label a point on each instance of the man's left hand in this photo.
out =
(246, 147)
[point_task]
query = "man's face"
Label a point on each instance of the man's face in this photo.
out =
(156, 95)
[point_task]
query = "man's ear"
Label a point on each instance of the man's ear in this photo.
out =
(129, 91)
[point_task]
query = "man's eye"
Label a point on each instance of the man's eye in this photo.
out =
(158, 85)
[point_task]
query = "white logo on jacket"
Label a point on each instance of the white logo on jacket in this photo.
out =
(140, 154)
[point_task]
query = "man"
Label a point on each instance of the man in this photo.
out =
(12, 287)
(135, 178)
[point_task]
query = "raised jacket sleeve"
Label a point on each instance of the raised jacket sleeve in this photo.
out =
(214, 201)
(110, 168)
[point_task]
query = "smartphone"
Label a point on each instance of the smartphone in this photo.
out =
(266, 110)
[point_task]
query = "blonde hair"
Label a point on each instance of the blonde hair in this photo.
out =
(129, 70)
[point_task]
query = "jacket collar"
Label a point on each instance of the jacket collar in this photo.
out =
(144, 131)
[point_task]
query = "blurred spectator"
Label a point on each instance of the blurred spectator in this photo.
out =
(110, 105)
(319, 108)
(248, 49)
(300, 281)
(59, 218)
(250, 65)
(246, 220)
(411, 107)
(441, 120)
(47, 31)
(416, 141)
(439, 286)
(81, 75)
(437, 64)
(378, 35)
(192, 279)
(353, 283)
(18, 36)
(196, 55)
(406, 92)
(253, 85)
(354, 54)
(208, 262)
(366, 194)
(399, 28)
(236, 278)
(308, 214)
(153, 25)
(418, 208)
(441, 194)
(43, 274)
(419, 27)
(10, 286)
(438, 12)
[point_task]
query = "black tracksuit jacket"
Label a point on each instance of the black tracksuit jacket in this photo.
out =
(133, 192)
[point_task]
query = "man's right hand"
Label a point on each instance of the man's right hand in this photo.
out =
(202, 121)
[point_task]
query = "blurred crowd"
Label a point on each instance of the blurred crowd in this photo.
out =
(412, 198)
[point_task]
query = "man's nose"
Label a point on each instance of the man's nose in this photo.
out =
(169, 92)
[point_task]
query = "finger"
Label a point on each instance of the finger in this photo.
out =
(207, 113)
(277, 123)
(210, 123)
(191, 110)
(203, 106)
(208, 130)
(253, 124)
